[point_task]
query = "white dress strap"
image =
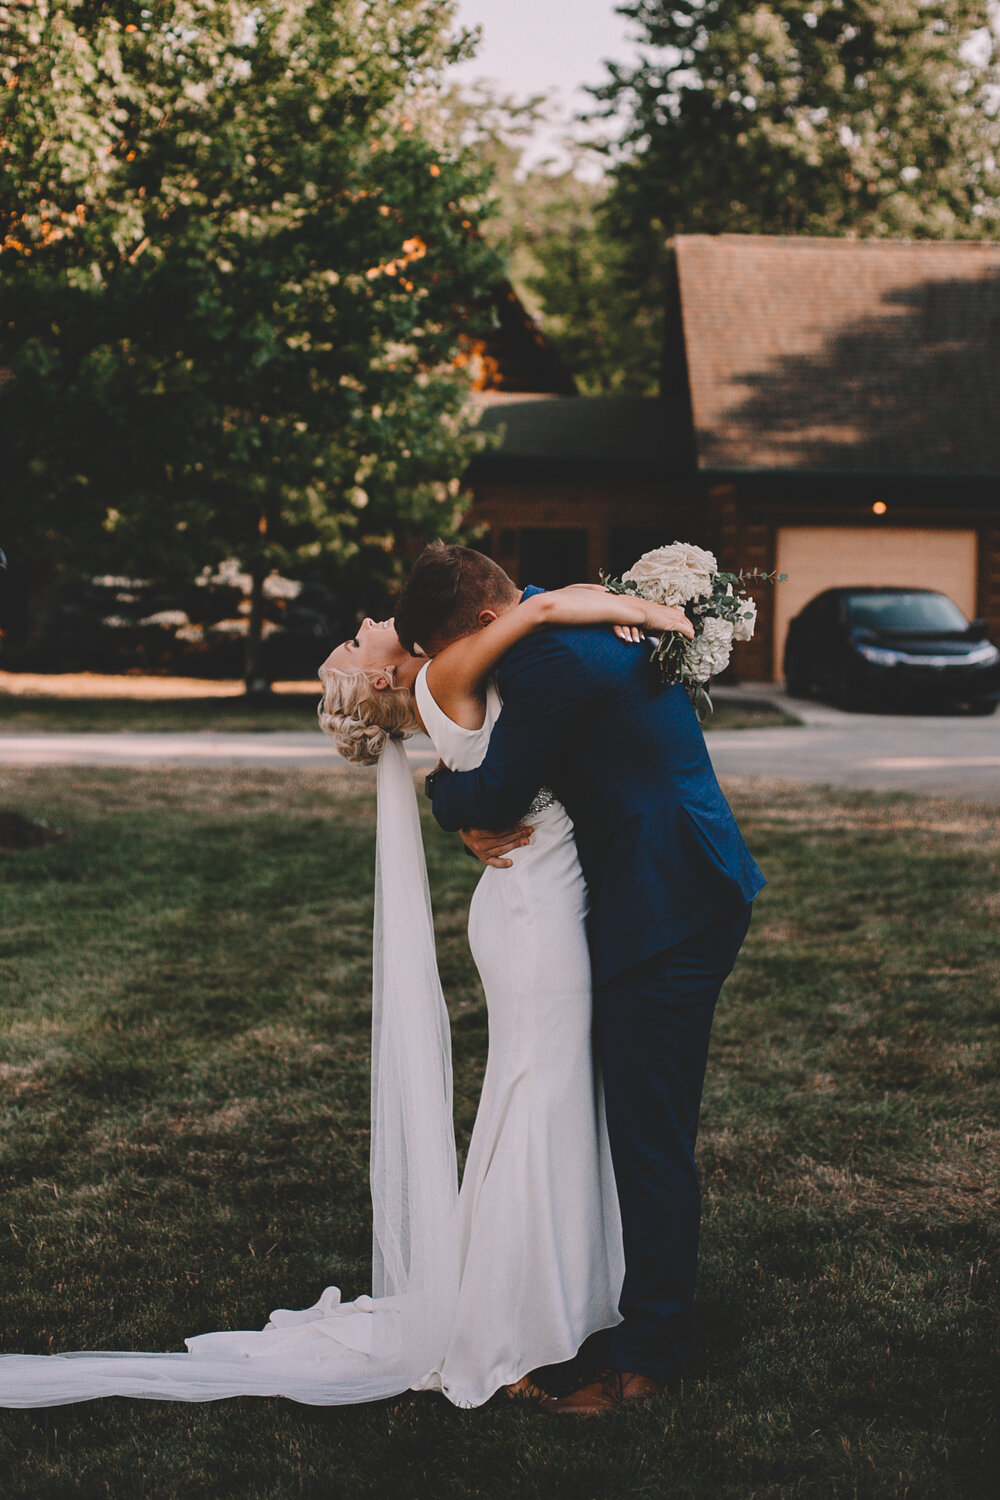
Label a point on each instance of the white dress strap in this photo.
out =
(460, 749)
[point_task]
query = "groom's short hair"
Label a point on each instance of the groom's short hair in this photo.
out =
(447, 588)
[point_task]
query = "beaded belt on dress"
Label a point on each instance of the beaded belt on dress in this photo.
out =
(546, 797)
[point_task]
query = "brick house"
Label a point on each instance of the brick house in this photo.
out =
(829, 409)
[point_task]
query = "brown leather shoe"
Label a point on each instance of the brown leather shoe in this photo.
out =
(525, 1389)
(610, 1389)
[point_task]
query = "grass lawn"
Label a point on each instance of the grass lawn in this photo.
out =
(184, 981)
(288, 712)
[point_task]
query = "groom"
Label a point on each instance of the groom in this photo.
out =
(670, 882)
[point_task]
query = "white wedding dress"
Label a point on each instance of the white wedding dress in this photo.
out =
(540, 1234)
(472, 1290)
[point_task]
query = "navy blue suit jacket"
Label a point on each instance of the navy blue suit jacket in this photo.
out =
(586, 714)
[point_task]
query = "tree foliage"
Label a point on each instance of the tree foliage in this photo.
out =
(237, 256)
(566, 265)
(840, 117)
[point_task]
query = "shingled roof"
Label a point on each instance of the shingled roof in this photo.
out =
(611, 434)
(873, 356)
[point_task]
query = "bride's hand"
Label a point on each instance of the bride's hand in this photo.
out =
(661, 618)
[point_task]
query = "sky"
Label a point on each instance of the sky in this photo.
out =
(545, 46)
(556, 46)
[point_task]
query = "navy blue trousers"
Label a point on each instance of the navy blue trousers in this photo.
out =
(652, 1026)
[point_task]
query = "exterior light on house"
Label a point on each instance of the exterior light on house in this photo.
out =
(880, 508)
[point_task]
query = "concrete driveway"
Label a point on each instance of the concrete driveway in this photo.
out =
(941, 755)
(945, 756)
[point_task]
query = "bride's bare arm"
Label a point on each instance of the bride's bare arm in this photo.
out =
(457, 676)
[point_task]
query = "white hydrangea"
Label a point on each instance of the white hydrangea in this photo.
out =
(113, 581)
(709, 653)
(676, 574)
(229, 573)
(276, 587)
(167, 619)
(744, 627)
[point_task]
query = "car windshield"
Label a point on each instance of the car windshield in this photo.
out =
(892, 611)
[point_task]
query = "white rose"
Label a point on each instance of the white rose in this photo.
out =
(709, 652)
(744, 628)
(674, 575)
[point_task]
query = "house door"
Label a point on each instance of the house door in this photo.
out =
(823, 557)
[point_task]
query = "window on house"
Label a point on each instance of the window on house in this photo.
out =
(553, 557)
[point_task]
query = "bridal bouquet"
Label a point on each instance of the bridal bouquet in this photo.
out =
(688, 576)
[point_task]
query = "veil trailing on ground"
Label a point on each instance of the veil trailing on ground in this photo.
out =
(337, 1353)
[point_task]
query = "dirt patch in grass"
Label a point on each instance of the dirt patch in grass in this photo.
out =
(956, 1177)
(748, 713)
(809, 810)
(18, 832)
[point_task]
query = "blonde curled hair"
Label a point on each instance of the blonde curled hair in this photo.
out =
(360, 719)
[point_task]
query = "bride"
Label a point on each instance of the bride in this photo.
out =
(472, 1290)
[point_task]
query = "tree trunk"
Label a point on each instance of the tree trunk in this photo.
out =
(257, 684)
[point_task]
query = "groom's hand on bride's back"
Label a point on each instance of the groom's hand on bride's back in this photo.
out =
(490, 846)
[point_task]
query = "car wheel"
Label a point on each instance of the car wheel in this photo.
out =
(797, 684)
(850, 695)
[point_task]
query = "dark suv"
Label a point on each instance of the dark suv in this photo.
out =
(871, 647)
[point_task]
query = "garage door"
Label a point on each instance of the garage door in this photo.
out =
(821, 557)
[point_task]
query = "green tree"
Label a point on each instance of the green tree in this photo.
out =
(840, 117)
(564, 264)
(574, 275)
(238, 254)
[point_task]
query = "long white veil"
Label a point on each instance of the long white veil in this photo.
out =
(337, 1353)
